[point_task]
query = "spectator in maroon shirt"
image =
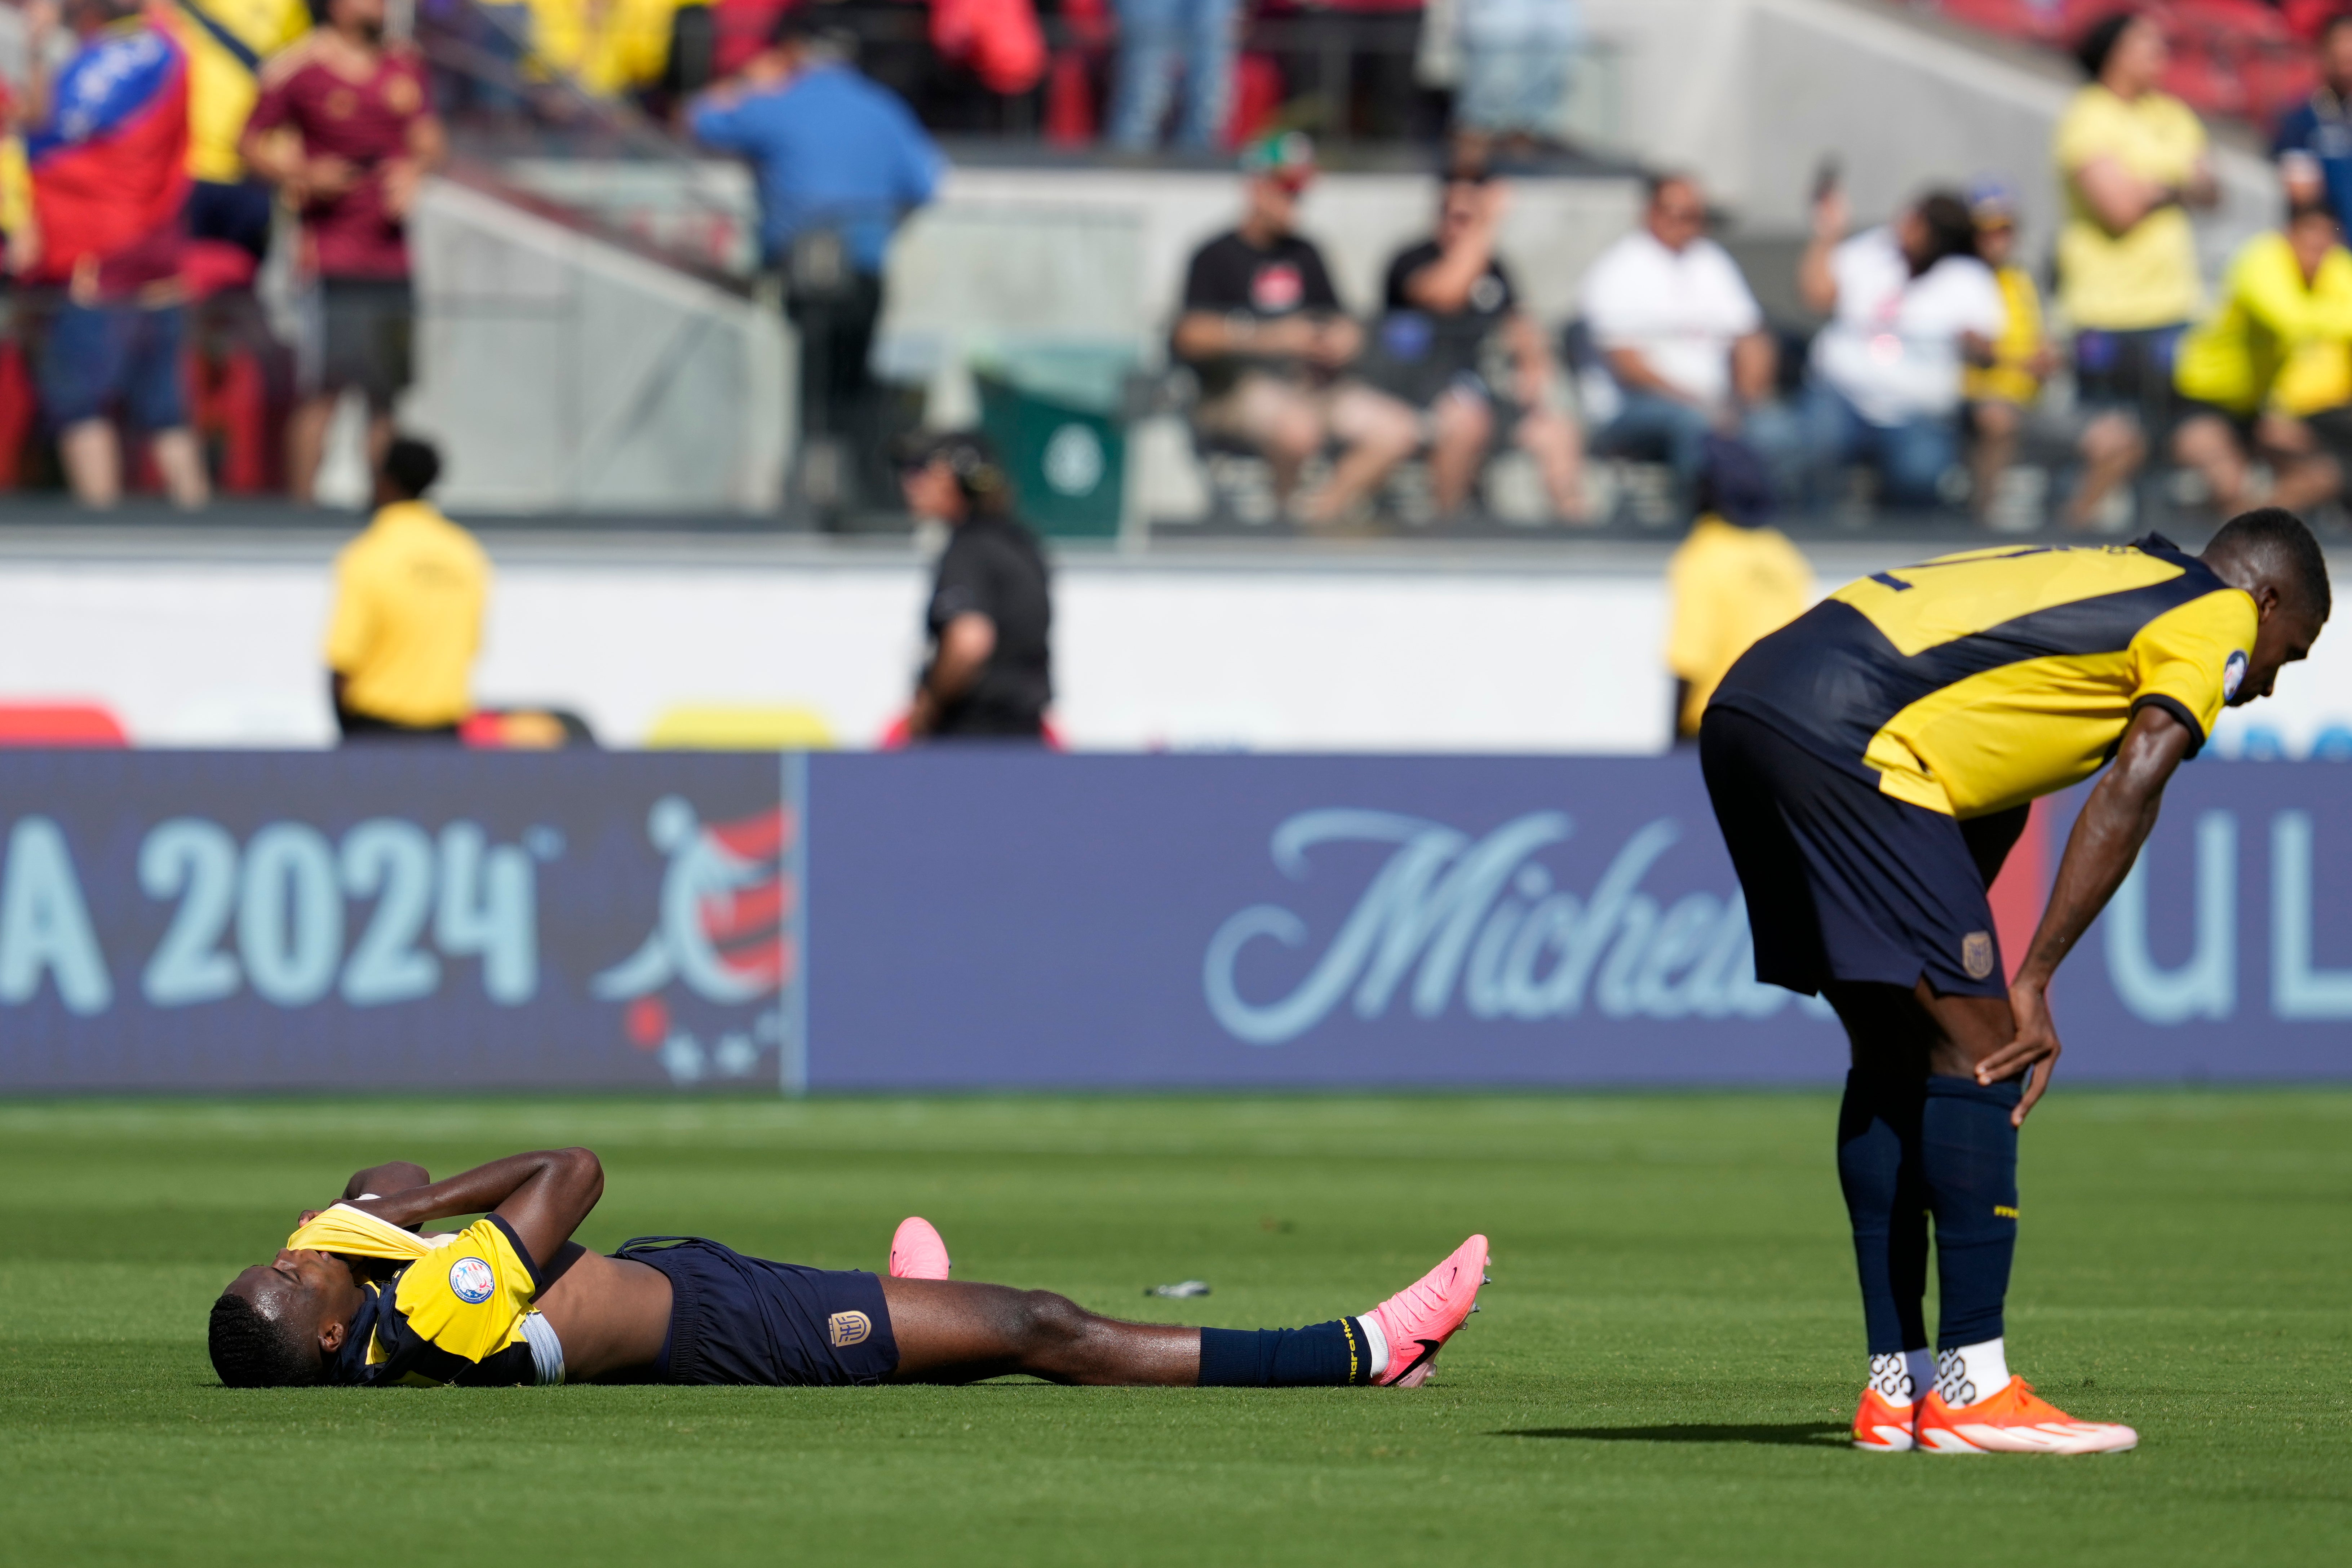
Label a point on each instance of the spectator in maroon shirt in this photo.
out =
(345, 127)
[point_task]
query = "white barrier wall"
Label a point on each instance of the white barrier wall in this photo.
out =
(1394, 652)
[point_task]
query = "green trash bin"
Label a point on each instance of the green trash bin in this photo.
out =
(1054, 416)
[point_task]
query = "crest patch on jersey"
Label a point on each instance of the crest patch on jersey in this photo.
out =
(846, 1328)
(2232, 673)
(471, 1280)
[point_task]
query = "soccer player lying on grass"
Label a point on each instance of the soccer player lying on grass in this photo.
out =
(357, 1297)
(1871, 764)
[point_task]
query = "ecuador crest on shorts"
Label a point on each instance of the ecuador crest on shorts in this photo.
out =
(1975, 954)
(847, 1329)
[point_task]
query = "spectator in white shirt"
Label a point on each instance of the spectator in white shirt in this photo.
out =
(1683, 342)
(1909, 303)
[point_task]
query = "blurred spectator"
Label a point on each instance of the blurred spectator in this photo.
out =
(990, 674)
(839, 161)
(409, 596)
(226, 42)
(1264, 328)
(1733, 580)
(2134, 160)
(1446, 299)
(1515, 59)
(2002, 394)
(344, 126)
(2313, 143)
(108, 154)
(609, 48)
(1158, 40)
(2269, 372)
(1681, 333)
(1907, 302)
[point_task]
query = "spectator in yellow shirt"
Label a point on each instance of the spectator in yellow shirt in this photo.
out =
(409, 598)
(226, 42)
(609, 48)
(2269, 371)
(1733, 580)
(2132, 160)
(2001, 394)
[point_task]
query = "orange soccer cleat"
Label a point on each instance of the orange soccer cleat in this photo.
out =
(1418, 1320)
(2014, 1421)
(1880, 1427)
(918, 1251)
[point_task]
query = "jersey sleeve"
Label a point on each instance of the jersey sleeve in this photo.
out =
(966, 586)
(2084, 133)
(2189, 660)
(468, 1297)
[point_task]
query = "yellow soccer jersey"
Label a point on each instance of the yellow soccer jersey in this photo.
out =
(227, 42)
(409, 598)
(1975, 682)
(460, 1314)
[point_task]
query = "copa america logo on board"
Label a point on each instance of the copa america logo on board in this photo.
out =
(1448, 914)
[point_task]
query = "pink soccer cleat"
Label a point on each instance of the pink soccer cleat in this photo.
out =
(916, 1252)
(1418, 1320)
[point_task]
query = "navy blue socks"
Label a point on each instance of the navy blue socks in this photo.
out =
(1331, 1354)
(1967, 1155)
(1887, 1200)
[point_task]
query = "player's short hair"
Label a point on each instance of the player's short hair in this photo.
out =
(2275, 543)
(971, 456)
(251, 1351)
(411, 466)
(2097, 44)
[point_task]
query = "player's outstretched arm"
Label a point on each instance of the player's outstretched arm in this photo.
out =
(543, 1195)
(2114, 824)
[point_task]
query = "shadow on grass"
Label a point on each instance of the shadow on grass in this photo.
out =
(1810, 1434)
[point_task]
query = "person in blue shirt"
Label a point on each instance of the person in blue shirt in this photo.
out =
(2313, 145)
(839, 161)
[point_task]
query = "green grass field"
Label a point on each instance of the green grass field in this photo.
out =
(1667, 1357)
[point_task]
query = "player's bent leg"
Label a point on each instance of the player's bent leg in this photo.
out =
(918, 1251)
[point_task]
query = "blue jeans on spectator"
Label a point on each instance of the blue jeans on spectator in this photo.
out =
(1156, 37)
(1910, 458)
(1651, 428)
(99, 356)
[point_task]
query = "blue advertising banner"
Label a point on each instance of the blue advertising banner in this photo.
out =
(984, 917)
(394, 916)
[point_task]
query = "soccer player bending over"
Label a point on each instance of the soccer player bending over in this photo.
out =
(1871, 764)
(357, 1297)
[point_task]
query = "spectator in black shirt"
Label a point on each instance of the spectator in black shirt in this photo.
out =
(991, 608)
(1264, 330)
(1447, 298)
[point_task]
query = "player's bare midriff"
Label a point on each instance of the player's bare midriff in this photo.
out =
(610, 1312)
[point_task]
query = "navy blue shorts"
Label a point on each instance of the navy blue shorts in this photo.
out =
(1845, 883)
(734, 1319)
(236, 213)
(101, 355)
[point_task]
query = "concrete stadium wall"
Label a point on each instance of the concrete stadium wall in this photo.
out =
(1395, 651)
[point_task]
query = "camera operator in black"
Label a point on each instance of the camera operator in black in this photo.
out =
(989, 675)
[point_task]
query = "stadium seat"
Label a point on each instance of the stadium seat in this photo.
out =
(82, 724)
(19, 405)
(748, 727)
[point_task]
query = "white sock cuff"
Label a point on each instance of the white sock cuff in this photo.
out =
(1968, 1373)
(1901, 1377)
(1376, 1343)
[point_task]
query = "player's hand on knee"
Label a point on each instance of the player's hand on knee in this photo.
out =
(2035, 1046)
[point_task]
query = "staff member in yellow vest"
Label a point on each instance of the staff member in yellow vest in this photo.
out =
(226, 43)
(1736, 578)
(2132, 160)
(409, 596)
(2269, 373)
